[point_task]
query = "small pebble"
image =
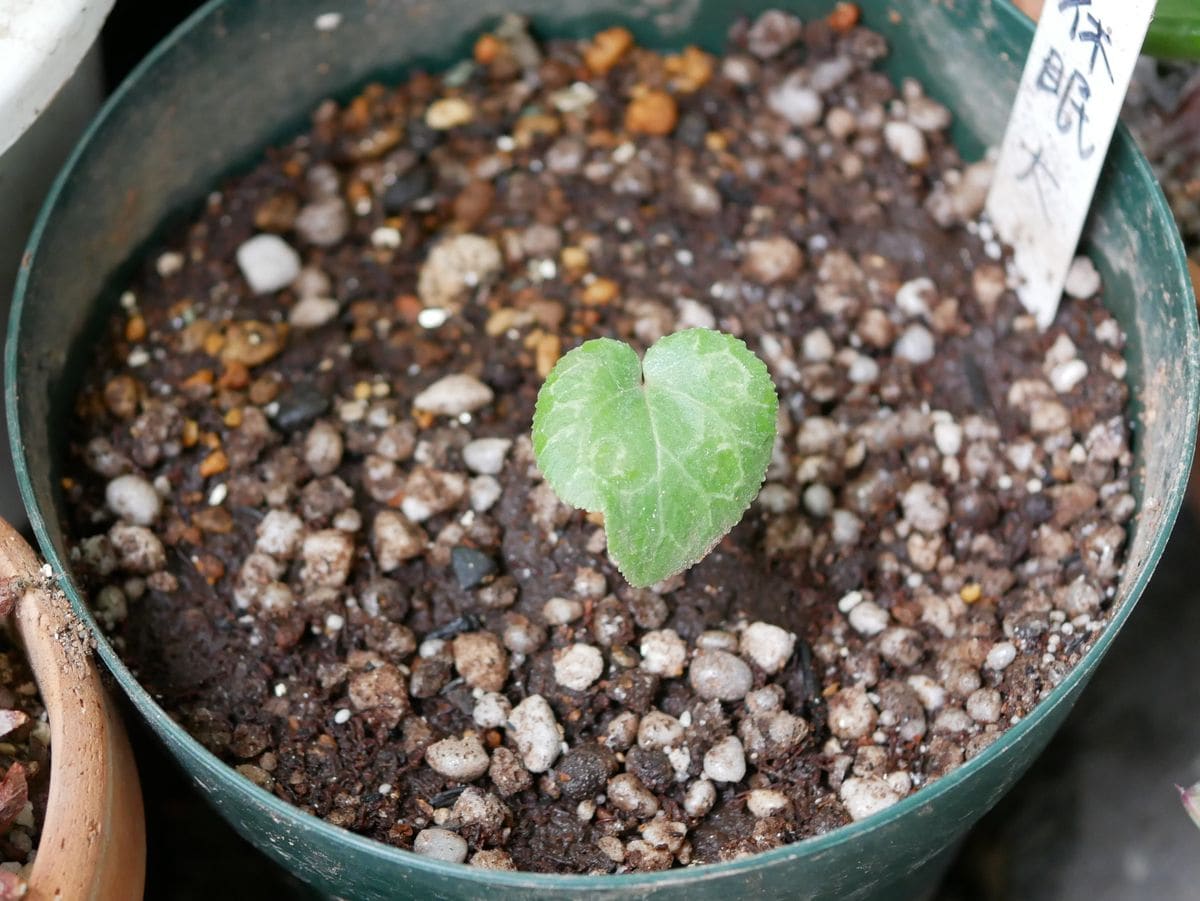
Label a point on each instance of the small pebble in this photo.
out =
(866, 795)
(132, 498)
(491, 711)
(906, 142)
(1083, 279)
(915, 345)
(486, 455)
(868, 618)
(536, 733)
(766, 802)
(699, 798)
(440, 844)
(796, 102)
(313, 312)
(1002, 653)
(471, 567)
(449, 112)
(770, 647)
(576, 667)
(481, 660)
(851, 714)
(453, 395)
(461, 759)
(725, 761)
(664, 653)
(720, 676)
(268, 263)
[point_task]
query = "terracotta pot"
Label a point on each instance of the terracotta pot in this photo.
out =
(93, 842)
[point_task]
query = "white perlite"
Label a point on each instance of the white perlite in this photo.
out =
(462, 759)
(795, 101)
(851, 714)
(453, 395)
(1083, 281)
(134, 499)
(868, 618)
(766, 802)
(486, 455)
(312, 312)
(268, 263)
(915, 345)
(578, 666)
(948, 438)
(867, 795)
(395, 538)
(1000, 656)
(491, 711)
(906, 142)
(663, 653)
(720, 676)
(700, 797)
(768, 646)
(279, 534)
(536, 733)
(913, 297)
(925, 507)
(456, 266)
(658, 730)
(440, 844)
(725, 761)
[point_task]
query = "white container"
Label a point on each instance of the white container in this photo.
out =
(50, 85)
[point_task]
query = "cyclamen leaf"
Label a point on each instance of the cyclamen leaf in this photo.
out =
(671, 450)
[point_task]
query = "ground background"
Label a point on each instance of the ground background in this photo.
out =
(1097, 819)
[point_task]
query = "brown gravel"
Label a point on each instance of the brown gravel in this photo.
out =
(337, 564)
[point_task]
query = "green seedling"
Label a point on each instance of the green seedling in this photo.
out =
(670, 449)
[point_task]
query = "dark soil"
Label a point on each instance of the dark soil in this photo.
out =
(299, 563)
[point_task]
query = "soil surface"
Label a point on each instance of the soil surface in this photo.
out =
(306, 506)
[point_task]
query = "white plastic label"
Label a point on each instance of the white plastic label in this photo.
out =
(1058, 135)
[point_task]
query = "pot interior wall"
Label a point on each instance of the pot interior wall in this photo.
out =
(241, 75)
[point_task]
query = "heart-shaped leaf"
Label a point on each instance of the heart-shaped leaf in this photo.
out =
(671, 450)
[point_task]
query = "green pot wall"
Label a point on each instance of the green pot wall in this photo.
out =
(239, 75)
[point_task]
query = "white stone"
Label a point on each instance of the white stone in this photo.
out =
(1065, 376)
(395, 538)
(134, 499)
(1002, 653)
(915, 345)
(312, 312)
(984, 705)
(906, 141)
(461, 759)
(453, 395)
(268, 263)
(768, 646)
(536, 733)
(913, 297)
(491, 711)
(323, 222)
(560, 611)
(327, 556)
(931, 695)
(818, 500)
(440, 844)
(699, 798)
(658, 730)
(851, 713)
(279, 534)
(720, 676)
(795, 101)
(725, 761)
(576, 667)
(486, 455)
(483, 492)
(947, 436)
(323, 448)
(1083, 280)
(663, 653)
(867, 795)
(626, 792)
(925, 507)
(868, 618)
(817, 346)
(766, 802)
(456, 266)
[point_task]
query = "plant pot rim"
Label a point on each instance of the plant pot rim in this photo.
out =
(214, 770)
(93, 843)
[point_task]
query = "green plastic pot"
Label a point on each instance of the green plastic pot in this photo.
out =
(239, 75)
